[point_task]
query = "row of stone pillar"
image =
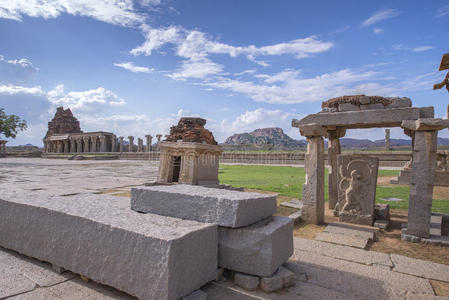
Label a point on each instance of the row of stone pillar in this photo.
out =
(140, 146)
(3, 147)
(81, 144)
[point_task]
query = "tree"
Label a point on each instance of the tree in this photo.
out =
(11, 124)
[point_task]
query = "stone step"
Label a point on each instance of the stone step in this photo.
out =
(209, 205)
(435, 225)
(348, 234)
(294, 203)
(98, 236)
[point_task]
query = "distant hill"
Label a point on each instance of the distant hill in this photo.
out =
(274, 137)
(277, 139)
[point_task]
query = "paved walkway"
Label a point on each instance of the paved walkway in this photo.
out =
(324, 270)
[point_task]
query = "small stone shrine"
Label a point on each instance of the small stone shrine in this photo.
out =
(190, 154)
(357, 177)
(360, 111)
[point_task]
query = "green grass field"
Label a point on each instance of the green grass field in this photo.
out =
(288, 181)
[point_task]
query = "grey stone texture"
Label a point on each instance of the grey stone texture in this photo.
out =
(420, 268)
(348, 235)
(196, 295)
(288, 277)
(382, 224)
(362, 119)
(271, 284)
(259, 249)
(313, 193)
(148, 256)
(218, 206)
(425, 124)
(333, 151)
(421, 183)
(382, 211)
(248, 282)
(357, 179)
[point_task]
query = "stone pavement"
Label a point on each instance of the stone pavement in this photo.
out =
(323, 270)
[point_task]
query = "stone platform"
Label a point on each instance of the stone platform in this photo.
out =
(100, 237)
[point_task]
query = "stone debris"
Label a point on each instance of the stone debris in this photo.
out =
(271, 284)
(259, 249)
(382, 212)
(382, 224)
(191, 130)
(362, 102)
(294, 203)
(175, 257)
(247, 282)
(218, 206)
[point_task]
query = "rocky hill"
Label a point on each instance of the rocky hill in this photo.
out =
(274, 137)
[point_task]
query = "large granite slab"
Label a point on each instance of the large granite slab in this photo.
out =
(218, 206)
(98, 236)
(259, 249)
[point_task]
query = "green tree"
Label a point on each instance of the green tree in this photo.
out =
(11, 124)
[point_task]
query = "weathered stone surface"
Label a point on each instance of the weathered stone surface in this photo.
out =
(218, 206)
(420, 268)
(333, 150)
(271, 284)
(342, 239)
(313, 192)
(342, 252)
(294, 203)
(63, 122)
(348, 107)
(400, 102)
(361, 119)
(296, 217)
(196, 295)
(435, 225)
(13, 283)
(191, 130)
(358, 100)
(421, 183)
(248, 282)
(288, 277)
(149, 256)
(259, 249)
(357, 179)
(312, 130)
(361, 281)
(382, 224)
(424, 124)
(372, 106)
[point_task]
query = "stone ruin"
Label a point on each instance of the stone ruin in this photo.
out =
(361, 111)
(63, 122)
(189, 154)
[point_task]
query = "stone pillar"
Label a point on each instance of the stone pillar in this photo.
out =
(86, 144)
(158, 136)
(60, 150)
(131, 144)
(114, 144)
(102, 143)
(3, 148)
(45, 145)
(421, 183)
(93, 144)
(121, 144)
(139, 145)
(149, 138)
(387, 139)
(333, 150)
(66, 146)
(79, 145)
(72, 145)
(313, 189)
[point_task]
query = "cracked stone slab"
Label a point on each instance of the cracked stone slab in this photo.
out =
(12, 282)
(342, 252)
(145, 255)
(341, 239)
(364, 282)
(210, 205)
(420, 268)
(352, 230)
(37, 271)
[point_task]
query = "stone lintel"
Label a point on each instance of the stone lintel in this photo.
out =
(364, 118)
(425, 124)
(310, 130)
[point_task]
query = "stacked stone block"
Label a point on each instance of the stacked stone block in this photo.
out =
(251, 241)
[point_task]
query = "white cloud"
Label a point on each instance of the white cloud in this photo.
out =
(196, 68)
(422, 48)
(117, 12)
(250, 71)
(84, 100)
(380, 16)
(17, 89)
(133, 68)
(195, 47)
(23, 62)
(443, 11)
(378, 31)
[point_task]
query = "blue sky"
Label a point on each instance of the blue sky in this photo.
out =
(135, 67)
